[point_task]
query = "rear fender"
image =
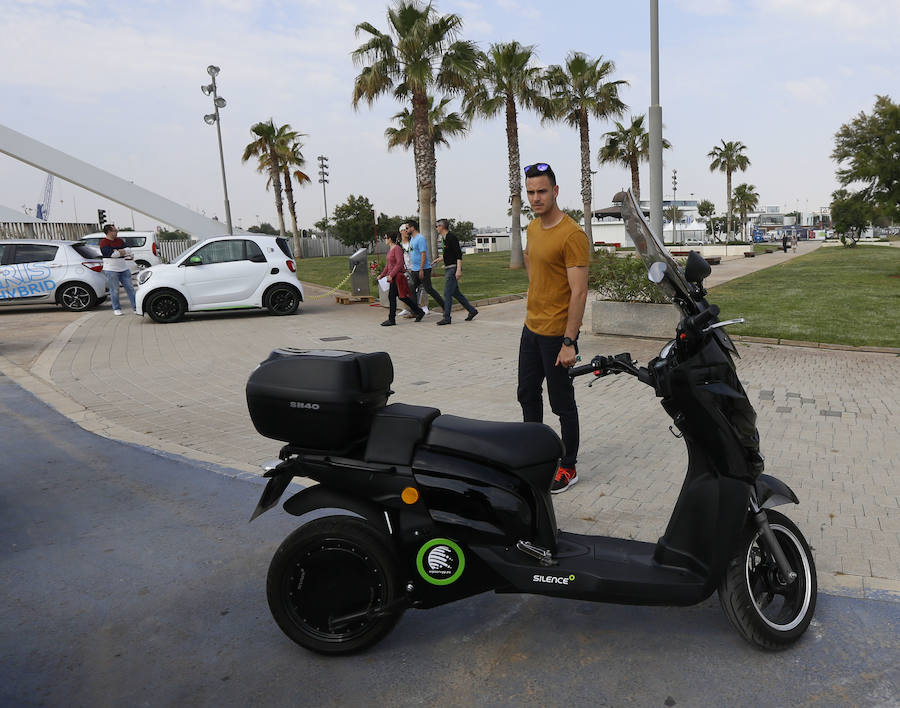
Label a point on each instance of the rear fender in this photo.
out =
(771, 491)
(318, 502)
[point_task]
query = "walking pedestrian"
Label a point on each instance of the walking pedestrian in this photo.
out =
(394, 271)
(794, 242)
(421, 263)
(557, 256)
(784, 243)
(115, 267)
(452, 273)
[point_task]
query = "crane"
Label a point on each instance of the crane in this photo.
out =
(43, 208)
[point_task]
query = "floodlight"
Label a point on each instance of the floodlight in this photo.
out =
(206, 89)
(210, 118)
(220, 102)
(212, 70)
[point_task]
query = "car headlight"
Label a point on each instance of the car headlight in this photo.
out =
(144, 276)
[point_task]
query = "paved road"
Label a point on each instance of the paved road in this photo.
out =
(131, 578)
(828, 418)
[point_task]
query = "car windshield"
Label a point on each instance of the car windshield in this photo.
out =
(651, 250)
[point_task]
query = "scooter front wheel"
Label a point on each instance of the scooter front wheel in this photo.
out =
(767, 611)
(332, 586)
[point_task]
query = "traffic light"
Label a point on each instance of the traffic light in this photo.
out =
(101, 217)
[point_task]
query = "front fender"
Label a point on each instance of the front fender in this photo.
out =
(318, 502)
(771, 491)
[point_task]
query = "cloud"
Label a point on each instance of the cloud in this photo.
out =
(810, 90)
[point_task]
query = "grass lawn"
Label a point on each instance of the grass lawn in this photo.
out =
(832, 295)
(484, 274)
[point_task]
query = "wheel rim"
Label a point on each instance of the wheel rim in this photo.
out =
(330, 579)
(165, 307)
(76, 298)
(282, 300)
(781, 606)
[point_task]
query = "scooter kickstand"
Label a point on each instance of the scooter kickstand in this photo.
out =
(542, 554)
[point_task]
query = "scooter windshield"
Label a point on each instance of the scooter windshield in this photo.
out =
(651, 250)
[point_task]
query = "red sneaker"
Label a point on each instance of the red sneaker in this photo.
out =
(565, 478)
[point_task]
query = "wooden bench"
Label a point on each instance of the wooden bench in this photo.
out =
(683, 254)
(749, 254)
(713, 260)
(770, 250)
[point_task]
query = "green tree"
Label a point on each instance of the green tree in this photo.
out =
(851, 214)
(869, 147)
(391, 224)
(508, 79)
(264, 228)
(291, 158)
(526, 211)
(745, 200)
(442, 125)
(265, 149)
(706, 209)
(628, 146)
(419, 53)
(353, 222)
(576, 214)
(463, 230)
(578, 90)
(174, 235)
(728, 158)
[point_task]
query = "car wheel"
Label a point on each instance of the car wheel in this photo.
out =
(76, 297)
(282, 300)
(165, 306)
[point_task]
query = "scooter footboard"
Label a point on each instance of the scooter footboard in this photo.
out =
(598, 569)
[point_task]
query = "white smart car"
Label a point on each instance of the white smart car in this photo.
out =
(222, 273)
(40, 271)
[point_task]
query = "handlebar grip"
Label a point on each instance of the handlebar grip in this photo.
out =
(581, 370)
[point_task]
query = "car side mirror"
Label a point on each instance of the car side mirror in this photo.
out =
(194, 260)
(696, 268)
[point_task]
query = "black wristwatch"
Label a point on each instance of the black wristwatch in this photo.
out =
(570, 342)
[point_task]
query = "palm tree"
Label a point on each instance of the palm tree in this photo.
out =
(441, 126)
(728, 158)
(629, 146)
(578, 91)
(291, 157)
(265, 149)
(419, 53)
(507, 78)
(745, 200)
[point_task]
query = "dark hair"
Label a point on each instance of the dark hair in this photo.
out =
(108, 228)
(413, 224)
(539, 169)
(394, 238)
(444, 223)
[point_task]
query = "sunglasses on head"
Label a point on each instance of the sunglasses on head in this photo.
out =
(536, 169)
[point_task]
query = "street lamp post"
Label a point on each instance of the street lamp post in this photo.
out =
(323, 179)
(210, 118)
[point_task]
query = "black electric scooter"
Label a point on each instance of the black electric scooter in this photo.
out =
(417, 509)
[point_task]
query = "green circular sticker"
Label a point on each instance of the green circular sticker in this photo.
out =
(440, 561)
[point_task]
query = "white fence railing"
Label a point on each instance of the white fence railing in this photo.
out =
(45, 229)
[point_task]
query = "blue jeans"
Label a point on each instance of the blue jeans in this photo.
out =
(537, 361)
(113, 279)
(451, 290)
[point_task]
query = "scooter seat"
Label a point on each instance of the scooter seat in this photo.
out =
(511, 445)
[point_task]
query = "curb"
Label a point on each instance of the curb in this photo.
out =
(816, 345)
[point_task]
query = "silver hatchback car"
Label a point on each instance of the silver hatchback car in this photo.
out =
(38, 271)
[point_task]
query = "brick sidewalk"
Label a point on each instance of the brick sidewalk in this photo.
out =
(827, 418)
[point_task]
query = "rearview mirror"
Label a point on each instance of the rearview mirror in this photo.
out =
(657, 272)
(195, 260)
(696, 269)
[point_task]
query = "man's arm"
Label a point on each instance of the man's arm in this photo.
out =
(578, 282)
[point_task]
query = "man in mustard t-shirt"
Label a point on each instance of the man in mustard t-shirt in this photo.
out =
(557, 256)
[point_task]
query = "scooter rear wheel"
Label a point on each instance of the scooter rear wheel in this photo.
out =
(766, 611)
(329, 584)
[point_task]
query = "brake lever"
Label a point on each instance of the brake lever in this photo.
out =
(723, 323)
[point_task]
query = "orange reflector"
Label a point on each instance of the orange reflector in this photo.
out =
(410, 495)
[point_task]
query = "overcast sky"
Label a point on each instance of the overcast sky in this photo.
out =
(118, 84)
